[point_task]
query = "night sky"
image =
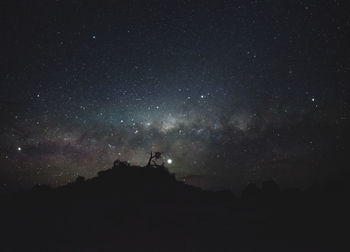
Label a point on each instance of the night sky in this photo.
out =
(231, 91)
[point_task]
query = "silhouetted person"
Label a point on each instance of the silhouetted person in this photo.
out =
(116, 163)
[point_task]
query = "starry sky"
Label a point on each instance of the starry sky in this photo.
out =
(231, 91)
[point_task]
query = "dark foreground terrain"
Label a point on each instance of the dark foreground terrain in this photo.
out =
(129, 208)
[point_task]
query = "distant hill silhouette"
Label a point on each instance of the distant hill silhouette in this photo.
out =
(132, 208)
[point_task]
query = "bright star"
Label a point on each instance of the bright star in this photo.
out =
(19, 148)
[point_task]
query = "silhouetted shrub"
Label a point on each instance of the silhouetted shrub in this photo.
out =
(80, 179)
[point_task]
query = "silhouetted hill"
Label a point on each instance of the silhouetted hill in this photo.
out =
(134, 184)
(132, 208)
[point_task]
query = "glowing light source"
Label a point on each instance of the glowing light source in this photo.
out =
(169, 161)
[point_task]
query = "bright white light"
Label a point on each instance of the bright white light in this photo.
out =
(169, 161)
(19, 148)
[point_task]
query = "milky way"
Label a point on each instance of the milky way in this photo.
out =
(231, 92)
